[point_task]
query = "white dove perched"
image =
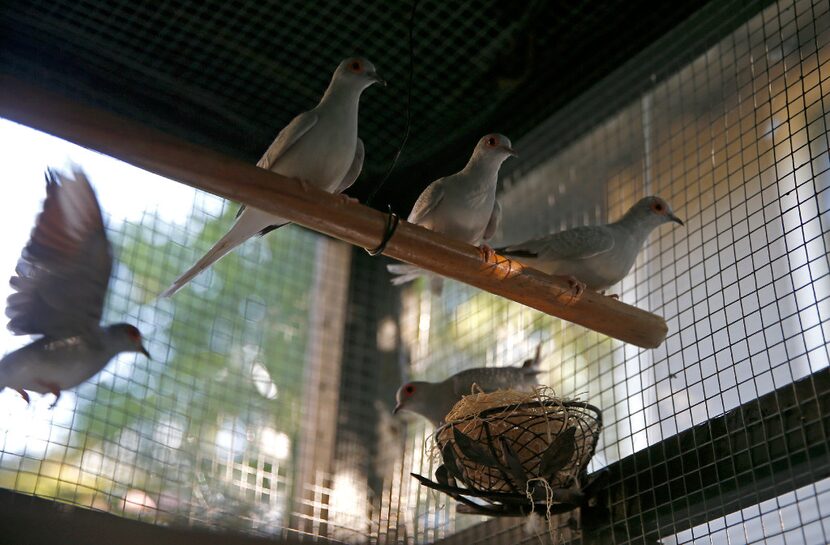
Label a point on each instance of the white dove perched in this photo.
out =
(319, 147)
(598, 256)
(61, 283)
(462, 206)
(433, 400)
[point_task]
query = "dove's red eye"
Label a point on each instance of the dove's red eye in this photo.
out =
(356, 67)
(134, 334)
(409, 389)
(658, 207)
(491, 141)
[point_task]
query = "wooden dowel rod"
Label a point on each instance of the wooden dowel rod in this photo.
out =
(204, 169)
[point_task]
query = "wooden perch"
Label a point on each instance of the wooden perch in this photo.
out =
(204, 169)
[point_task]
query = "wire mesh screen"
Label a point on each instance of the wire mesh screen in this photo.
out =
(267, 406)
(736, 142)
(209, 430)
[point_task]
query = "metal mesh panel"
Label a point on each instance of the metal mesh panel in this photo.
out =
(207, 431)
(796, 517)
(231, 73)
(736, 141)
(267, 406)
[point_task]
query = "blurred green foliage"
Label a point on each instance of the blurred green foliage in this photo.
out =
(186, 427)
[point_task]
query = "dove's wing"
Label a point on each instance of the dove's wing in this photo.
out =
(573, 244)
(495, 220)
(354, 170)
(427, 202)
(488, 379)
(63, 272)
(287, 137)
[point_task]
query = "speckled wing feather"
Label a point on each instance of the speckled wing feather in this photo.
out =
(490, 379)
(427, 202)
(572, 244)
(64, 270)
(286, 138)
(495, 221)
(354, 170)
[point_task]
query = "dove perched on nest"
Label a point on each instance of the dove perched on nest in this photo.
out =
(434, 400)
(462, 206)
(60, 286)
(319, 147)
(598, 256)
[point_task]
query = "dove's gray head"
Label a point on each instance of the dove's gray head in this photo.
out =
(424, 398)
(651, 212)
(127, 338)
(356, 73)
(495, 147)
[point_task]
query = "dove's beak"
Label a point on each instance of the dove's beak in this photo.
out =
(676, 219)
(145, 352)
(510, 150)
(397, 408)
(377, 79)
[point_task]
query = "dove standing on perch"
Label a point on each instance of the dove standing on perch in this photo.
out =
(319, 147)
(462, 206)
(597, 256)
(433, 400)
(60, 286)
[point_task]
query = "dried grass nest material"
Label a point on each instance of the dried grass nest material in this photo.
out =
(504, 440)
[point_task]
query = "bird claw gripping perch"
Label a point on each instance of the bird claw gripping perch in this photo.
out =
(392, 221)
(348, 200)
(575, 289)
(487, 253)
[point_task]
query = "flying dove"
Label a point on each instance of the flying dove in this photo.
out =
(59, 289)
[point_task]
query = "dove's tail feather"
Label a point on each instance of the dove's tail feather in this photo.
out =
(531, 366)
(247, 225)
(436, 285)
(404, 273)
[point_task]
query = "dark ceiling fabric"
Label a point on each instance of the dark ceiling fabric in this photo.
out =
(230, 74)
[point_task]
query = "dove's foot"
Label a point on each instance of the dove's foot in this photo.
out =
(611, 295)
(577, 288)
(23, 393)
(345, 198)
(487, 253)
(53, 388)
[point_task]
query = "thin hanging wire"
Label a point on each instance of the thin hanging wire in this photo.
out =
(408, 109)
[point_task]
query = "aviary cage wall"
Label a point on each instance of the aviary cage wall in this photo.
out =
(267, 407)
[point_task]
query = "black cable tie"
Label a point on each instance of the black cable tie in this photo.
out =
(392, 221)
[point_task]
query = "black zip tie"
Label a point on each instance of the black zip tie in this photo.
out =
(392, 221)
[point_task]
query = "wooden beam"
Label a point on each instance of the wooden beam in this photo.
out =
(360, 225)
(323, 362)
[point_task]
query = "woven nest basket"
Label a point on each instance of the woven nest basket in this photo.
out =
(518, 443)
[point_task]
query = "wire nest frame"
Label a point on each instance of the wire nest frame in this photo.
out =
(519, 458)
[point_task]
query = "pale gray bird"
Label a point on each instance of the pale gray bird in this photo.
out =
(597, 256)
(433, 400)
(60, 286)
(319, 147)
(462, 206)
